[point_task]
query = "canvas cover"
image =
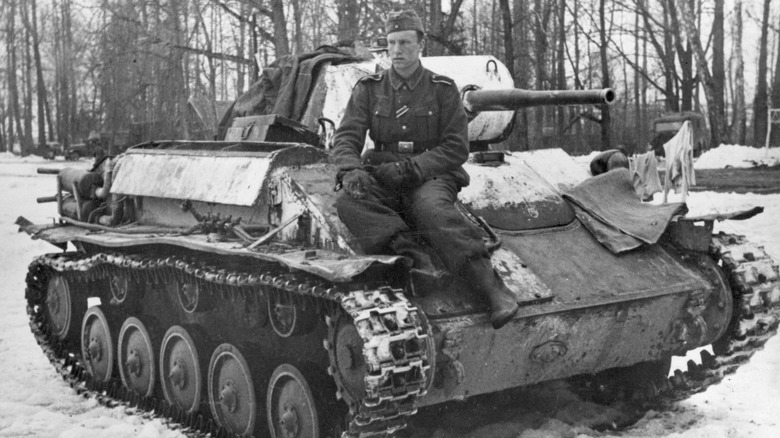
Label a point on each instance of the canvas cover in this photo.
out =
(609, 207)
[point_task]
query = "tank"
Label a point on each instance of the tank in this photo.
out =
(212, 282)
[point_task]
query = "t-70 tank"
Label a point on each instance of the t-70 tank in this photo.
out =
(212, 281)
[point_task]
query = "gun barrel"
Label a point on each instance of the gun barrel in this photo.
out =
(512, 99)
(48, 171)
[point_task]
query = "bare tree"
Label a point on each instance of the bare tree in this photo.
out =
(775, 100)
(606, 119)
(718, 62)
(738, 120)
(715, 112)
(30, 22)
(348, 12)
(15, 122)
(760, 100)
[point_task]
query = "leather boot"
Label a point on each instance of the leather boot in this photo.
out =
(482, 277)
(424, 274)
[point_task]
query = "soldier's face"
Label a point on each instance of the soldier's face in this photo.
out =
(404, 49)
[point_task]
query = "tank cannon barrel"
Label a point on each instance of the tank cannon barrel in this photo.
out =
(512, 99)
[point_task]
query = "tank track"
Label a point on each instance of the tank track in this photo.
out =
(383, 317)
(754, 280)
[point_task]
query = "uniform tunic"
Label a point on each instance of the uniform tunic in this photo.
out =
(425, 109)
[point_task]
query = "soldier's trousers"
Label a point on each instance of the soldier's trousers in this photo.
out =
(428, 211)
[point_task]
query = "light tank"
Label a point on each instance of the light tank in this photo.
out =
(213, 283)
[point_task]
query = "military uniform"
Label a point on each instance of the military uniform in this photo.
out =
(424, 109)
(406, 187)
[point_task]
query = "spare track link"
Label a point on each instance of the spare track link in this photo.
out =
(398, 352)
(391, 397)
(755, 286)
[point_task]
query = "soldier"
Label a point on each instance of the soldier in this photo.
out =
(408, 184)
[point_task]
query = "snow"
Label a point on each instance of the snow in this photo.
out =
(34, 401)
(730, 155)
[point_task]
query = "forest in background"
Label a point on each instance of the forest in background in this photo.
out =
(70, 68)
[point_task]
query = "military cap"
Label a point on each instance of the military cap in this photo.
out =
(398, 21)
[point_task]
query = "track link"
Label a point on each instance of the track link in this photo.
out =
(398, 352)
(384, 318)
(754, 278)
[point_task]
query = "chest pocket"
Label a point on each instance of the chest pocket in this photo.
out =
(425, 121)
(380, 118)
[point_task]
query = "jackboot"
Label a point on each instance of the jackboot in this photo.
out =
(424, 274)
(482, 277)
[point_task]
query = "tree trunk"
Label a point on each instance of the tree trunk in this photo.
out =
(775, 100)
(637, 103)
(684, 56)
(31, 23)
(738, 124)
(13, 90)
(28, 88)
(606, 120)
(348, 12)
(281, 42)
(541, 19)
(522, 67)
(760, 100)
(717, 119)
(298, 46)
(561, 76)
(718, 62)
(10, 69)
(509, 48)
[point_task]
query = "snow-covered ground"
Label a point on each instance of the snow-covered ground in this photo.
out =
(35, 402)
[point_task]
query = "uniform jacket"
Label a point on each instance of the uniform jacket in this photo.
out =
(425, 108)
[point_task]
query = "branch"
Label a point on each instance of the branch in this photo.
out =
(449, 45)
(207, 53)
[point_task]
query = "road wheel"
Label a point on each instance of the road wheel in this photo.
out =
(73, 156)
(97, 345)
(180, 373)
(232, 391)
(290, 405)
(136, 357)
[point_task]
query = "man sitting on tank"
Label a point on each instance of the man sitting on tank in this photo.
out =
(609, 160)
(408, 184)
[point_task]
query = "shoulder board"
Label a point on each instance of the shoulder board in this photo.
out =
(439, 79)
(371, 78)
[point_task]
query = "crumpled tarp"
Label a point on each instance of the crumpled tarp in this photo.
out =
(284, 86)
(608, 206)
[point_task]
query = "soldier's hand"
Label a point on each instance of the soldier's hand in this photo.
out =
(357, 183)
(397, 175)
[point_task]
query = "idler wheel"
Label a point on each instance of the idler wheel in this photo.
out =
(136, 357)
(97, 346)
(63, 310)
(180, 372)
(288, 319)
(290, 405)
(232, 391)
